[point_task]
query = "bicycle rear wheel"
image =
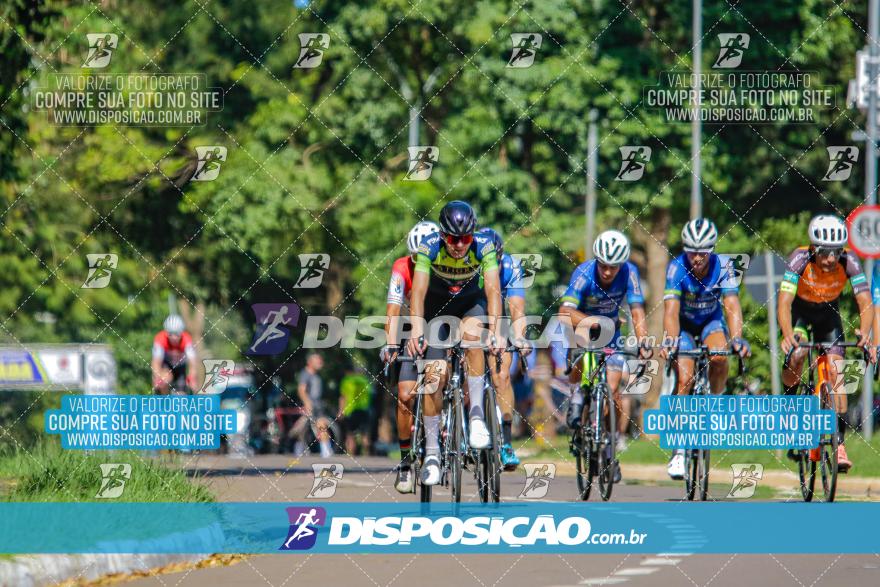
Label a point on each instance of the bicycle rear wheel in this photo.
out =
(606, 448)
(806, 474)
(828, 450)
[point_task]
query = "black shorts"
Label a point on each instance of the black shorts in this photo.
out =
(457, 306)
(357, 421)
(822, 321)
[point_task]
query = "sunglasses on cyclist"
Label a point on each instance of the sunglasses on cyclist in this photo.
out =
(451, 239)
(829, 251)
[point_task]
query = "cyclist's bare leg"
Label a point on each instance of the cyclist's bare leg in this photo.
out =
(685, 368)
(792, 375)
(621, 404)
(405, 407)
(501, 381)
(838, 393)
(718, 367)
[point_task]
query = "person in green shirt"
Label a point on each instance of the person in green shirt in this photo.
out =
(355, 390)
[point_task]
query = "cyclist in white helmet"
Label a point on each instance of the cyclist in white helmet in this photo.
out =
(702, 288)
(174, 358)
(809, 300)
(599, 287)
(398, 296)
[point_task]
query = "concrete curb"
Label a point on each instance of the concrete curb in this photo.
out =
(50, 569)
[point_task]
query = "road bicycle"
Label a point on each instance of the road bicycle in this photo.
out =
(697, 460)
(823, 457)
(593, 443)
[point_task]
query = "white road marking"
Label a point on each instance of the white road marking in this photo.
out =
(661, 561)
(636, 571)
(604, 581)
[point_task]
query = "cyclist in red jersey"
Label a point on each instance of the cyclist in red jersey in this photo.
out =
(398, 295)
(174, 358)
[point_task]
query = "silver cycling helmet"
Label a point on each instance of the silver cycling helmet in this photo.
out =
(418, 232)
(699, 236)
(173, 324)
(611, 247)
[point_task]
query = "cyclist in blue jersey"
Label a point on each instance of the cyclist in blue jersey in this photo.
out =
(599, 287)
(700, 291)
(512, 291)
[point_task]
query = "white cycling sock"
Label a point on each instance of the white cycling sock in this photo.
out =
(475, 389)
(432, 435)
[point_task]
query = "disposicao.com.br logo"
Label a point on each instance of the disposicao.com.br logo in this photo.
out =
(472, 531)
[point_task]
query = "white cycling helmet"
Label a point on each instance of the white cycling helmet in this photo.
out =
(611, 248)
(173, 324)
(418, 232)
(828, 231)
(699, 235)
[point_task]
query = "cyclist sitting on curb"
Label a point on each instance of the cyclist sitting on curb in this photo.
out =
(598, 288)
(700, 290)
(512, 291)
(809, 298)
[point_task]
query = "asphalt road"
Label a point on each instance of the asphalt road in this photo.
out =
(276, 478)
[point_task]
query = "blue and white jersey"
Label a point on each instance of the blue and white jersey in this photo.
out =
(586, 295)
(700, 298)
(510, 273)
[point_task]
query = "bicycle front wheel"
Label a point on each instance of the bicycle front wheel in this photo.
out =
(828, 450)
(703, 472)
(606, 449)
(494, 450)
(691, 473)
(806, 474)
(456, 456)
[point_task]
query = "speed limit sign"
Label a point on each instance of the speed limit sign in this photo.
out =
(864, 231)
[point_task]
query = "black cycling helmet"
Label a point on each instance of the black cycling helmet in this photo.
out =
(496, 238)
(457, 218)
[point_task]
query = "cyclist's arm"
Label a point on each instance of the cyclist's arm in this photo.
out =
(733, 310)
(866, 312)
(421, 277)
(517, 307)
(639, 320)
(671, 326)
(492, 286)
(392, 319)
(783, 310)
